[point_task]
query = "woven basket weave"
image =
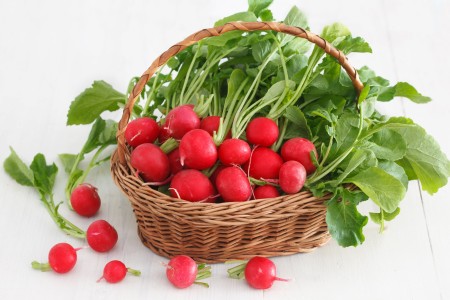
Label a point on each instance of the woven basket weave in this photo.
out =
(225, 231)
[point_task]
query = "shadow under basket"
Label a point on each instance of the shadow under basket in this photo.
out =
(218, 232)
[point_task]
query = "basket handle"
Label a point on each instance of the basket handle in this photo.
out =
(210, 32)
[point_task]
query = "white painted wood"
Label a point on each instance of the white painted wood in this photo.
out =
(51, 50)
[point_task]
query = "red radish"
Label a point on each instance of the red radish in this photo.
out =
(115, 271)
(266, 191)
(174, 161)
(164, 134)
(182, 271)
(210, 124)
(261, 272)
(292, 177)
(101, 236)
(299, 149)
(262, 131)
(192, 185)
(151, 162)
(233, 185)
(234, 152)
(181, 120)
(140, 131)
(85, 200)
(264, 163)
(197, 150)
(62, 258)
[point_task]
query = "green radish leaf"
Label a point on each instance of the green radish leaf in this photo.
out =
(296, 116)
(261, 50)
(402, 89)
(395, 170)
(354, 44)
(92, 102)
(364, 93)
(379, 218)
(387, 144)
(425, 158)
(344, 221)
(245, 16)
(103, 133)
(257, 6)
(360, 160)
(44, 175)
(296, 18)
(18, 170)
(346, 131)
(383, 188)
(335, 33)
(68, 161)
(266, 15)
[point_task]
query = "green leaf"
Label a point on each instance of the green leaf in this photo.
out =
(346, 131)
(387, 144)
(425, 158)
(296, 18)
(354, 44)
(266, 15)
(335, 33)
(245, 16)
(18, 170)
(395, 170)
(102, 134)
(384, 189)
(296, 116)
(402, 89)
(222, 40)
(257, 6)
(68, 161)
(380, 217)
(344, 221)
(360, 160)
(92, 102)
(261, 50)
(44, 175)
(363, 95)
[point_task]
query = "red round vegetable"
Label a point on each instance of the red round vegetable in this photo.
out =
(174, 161)
(101, 236)
(197, 150)
(62, 258)
(210, 124)
(299, 149)
(264, 163)
(140, 131)
(233, 185)
(262, 131)
(181, 271)
(292, 177)
(151, 162)
(85, 200)
(181, 120)
(266, 191)
(234, 152)
(192, 185)
(115, 271)
(261, 272)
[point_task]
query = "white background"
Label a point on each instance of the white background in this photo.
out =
(52, 50)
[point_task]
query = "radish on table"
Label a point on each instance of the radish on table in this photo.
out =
(115, 271)
(101, 236)
(62, 257)
(182, 271)
(85, 200)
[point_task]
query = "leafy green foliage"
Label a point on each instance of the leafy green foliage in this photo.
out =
(18, 170)
(93, 101)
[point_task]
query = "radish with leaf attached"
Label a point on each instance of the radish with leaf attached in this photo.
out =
(62, 257)
(233, 185)
(234, 152)
(85, 200)
(115, 271)
(299, 149)
(182, 271)
(197, 150)
(180, 120)
(262, 131)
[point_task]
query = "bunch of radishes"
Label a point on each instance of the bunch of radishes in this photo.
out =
(180, 153)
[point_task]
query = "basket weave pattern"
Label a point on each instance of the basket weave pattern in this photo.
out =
(226, 231)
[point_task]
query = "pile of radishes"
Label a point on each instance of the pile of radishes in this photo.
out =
(180, 153)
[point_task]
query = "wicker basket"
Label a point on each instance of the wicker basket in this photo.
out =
(219, 232)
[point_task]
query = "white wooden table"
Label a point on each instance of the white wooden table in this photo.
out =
(51, 50)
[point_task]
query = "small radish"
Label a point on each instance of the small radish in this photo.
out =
(174, 161)
(266, 191)
(210, 124)
(181, 120)
(234, 152)
(299, 149)
(197, 150)
(101, 236)
(262, 131)
(61, 258)
(140, 131)
(85, 200)
(182, 271)
(264, 163)
(151, 162)
(115, 271)
(261, 272)
(233, 185)
(292, 177)
(192, 185)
